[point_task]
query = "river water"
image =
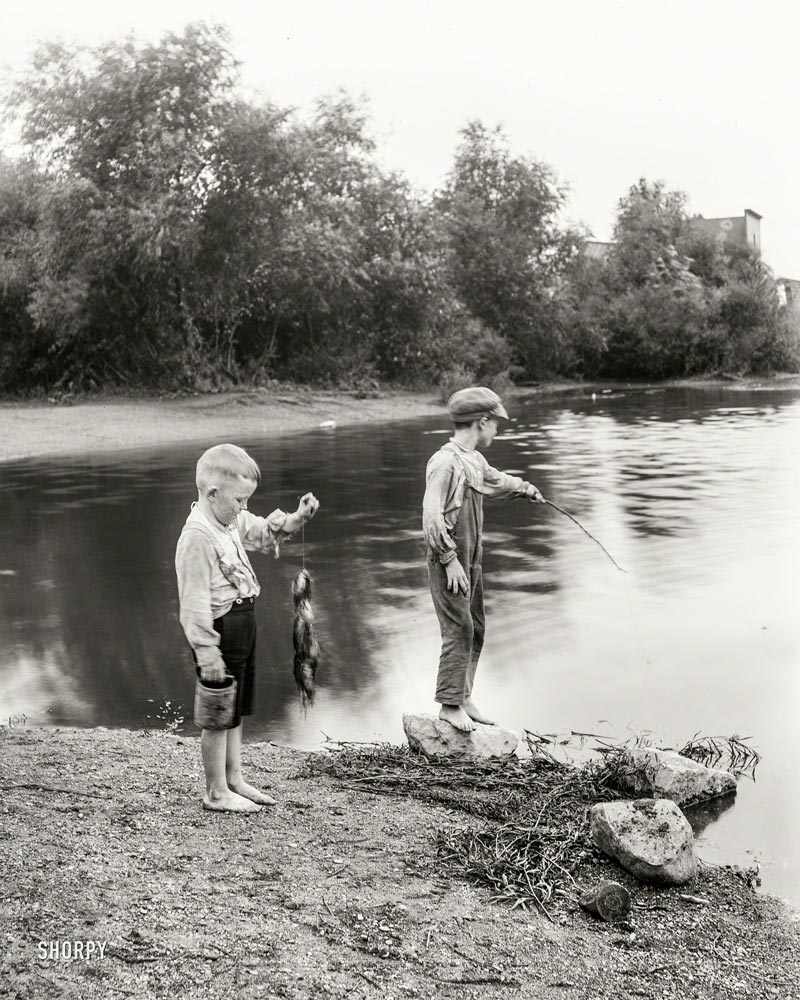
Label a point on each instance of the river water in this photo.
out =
(693, 491)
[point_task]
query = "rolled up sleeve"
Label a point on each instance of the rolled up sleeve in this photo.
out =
(263, 534)
(501, 485)
(194, 560)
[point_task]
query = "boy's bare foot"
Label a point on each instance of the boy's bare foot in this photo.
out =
(229, 801)
(456, 716)
(475, 713)
(251, 793)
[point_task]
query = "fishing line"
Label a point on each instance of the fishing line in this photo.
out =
(303, 540)
(576, 521)
(635, 618)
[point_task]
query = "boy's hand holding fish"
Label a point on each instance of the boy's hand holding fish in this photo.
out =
(306, 509)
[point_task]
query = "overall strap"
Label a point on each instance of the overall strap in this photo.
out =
(463, 462)
(204, 529)
(233, 575)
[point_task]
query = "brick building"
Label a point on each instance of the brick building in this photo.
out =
(743, 229)
(788, 291)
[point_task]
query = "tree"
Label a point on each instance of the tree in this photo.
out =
(354, 281)
(644, 307)
(508, 249)
(650, 220)
(680, 303)
(21, 347)
(125, 136)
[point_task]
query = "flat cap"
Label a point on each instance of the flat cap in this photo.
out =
(473, 403)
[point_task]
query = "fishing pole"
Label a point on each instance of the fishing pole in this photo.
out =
(567, 514)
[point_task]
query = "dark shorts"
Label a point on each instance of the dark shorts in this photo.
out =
(237, 644)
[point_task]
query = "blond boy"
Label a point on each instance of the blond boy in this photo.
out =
(217, 591)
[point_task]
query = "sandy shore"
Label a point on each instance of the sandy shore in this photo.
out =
(45, 429)
(29, 430)
(335, 892)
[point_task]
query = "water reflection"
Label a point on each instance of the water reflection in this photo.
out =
(700, 816)
(692, 491)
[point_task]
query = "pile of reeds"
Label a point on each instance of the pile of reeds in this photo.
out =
(537, 839)
(497, 788)
(533, 859)
(540, 803)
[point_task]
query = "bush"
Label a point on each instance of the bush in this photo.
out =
(455, 378)
(479, 356)
(655, 333)
(778, 349)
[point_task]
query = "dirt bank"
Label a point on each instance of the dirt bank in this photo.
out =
(333, 893)
(38, 429)
(112, 424)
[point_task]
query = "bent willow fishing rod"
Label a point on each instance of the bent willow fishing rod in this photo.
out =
(566, 513)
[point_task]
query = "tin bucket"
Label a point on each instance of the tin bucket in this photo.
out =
(215, 704)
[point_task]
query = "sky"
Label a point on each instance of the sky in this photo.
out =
(703, 94)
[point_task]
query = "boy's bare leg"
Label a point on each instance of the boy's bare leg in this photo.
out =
(219, 797)
(456, 716)
(233, 771)
(475, 713)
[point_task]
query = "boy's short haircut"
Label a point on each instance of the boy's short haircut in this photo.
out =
(458, 424)
(225, 461)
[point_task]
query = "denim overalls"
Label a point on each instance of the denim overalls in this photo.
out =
(461, 619)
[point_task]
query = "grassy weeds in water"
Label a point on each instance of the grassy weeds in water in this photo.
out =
(733, 753)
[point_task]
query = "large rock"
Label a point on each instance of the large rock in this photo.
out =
(431, 735)
(665, 774)
(650, 838)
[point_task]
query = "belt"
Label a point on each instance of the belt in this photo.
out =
(243, 602)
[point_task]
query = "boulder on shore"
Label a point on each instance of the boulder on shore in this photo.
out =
(650, 838)
(431, 735)
(665, 774)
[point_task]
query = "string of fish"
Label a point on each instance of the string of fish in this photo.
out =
(306, 648)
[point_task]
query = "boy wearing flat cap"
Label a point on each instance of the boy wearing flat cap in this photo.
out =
(458, 477)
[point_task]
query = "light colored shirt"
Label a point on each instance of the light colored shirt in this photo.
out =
(214, 570)
(450, 470)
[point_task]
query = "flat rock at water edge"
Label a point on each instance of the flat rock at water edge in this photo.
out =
(430, 735)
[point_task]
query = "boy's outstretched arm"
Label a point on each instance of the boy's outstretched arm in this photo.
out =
(263, 534)
(502, 486)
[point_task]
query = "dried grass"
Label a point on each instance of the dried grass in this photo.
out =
(536, 804)
(539, 803)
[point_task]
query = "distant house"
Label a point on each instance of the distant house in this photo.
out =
(742, 229)
(788, 291)
(595, 250)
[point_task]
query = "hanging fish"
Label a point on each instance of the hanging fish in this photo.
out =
(306, 649)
